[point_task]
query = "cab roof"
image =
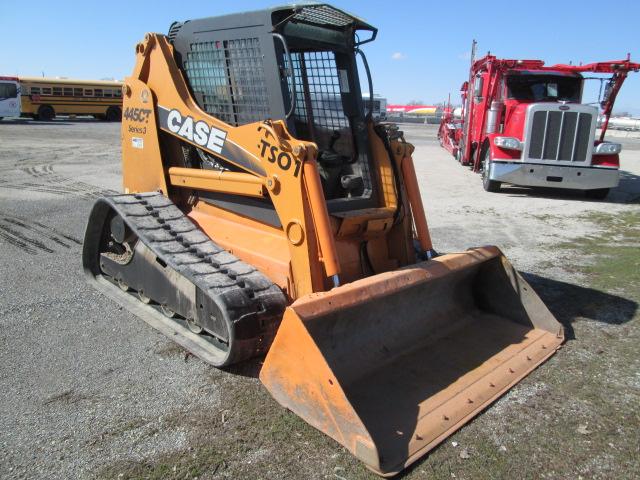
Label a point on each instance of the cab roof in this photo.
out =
(315, 14)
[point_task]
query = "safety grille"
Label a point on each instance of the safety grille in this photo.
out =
(560, 136)
(174, 29)
(230, 77)
(318, 111)
(323, 15)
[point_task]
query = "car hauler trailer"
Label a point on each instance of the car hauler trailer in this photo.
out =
(523, 123)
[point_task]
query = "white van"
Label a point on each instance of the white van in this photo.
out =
(9, 97)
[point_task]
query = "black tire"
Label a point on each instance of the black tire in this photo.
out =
(114, 114)
(489, 185)
(459, 155)
(46, 113)
(597, 194)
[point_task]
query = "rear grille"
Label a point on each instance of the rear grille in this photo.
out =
(560, 136)
(228, 76)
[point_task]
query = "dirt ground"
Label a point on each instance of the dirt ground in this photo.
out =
(89, 391)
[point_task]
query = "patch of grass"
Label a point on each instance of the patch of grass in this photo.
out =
(178, 465)
(248, 436)
(613, 254)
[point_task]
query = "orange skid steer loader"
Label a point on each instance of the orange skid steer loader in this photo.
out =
(265, 212)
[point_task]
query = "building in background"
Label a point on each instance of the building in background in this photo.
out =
(379, 107)
(415, 113)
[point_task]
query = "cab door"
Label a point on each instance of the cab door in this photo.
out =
(9, 99)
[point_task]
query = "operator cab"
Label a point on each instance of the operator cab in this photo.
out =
(295, 63)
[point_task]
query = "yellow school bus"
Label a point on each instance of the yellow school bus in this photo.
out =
(44, 98)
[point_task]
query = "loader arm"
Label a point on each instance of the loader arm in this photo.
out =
(273, 165)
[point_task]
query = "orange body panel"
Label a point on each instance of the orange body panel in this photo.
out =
(264, 247)
(142, 168)
(413, 191)
(217, 181)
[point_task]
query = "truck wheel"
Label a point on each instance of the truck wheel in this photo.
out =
(597, 194)
(114, 114)
(46, 113)
(488, 184)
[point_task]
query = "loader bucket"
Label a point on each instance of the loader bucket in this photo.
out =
(390, 365)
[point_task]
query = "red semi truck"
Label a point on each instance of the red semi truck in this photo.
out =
(523, 123)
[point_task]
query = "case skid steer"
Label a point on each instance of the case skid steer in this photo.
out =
(265, 212)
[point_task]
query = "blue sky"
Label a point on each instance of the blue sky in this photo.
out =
(421, 52)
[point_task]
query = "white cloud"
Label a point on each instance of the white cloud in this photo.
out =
(398, 56)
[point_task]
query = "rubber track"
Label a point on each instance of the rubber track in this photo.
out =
(177, 241)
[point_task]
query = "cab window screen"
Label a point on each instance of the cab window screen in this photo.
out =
(230, 76)
(319, 112)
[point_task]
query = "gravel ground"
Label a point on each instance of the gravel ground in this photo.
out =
(89, 391)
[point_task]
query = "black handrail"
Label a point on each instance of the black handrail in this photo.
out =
(366, 67)
(293, 78)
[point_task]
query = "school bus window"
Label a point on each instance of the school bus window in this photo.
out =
(88, 93)
(57, 90)
(108, 93)
(68, 92)
(35, 90)
(98, 92)
(118, 93)
(46, 90)
(77, 92)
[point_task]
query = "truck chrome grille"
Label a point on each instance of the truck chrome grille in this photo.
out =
(560, 136)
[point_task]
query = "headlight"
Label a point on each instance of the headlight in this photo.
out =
(607, 148)
(510, 143)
